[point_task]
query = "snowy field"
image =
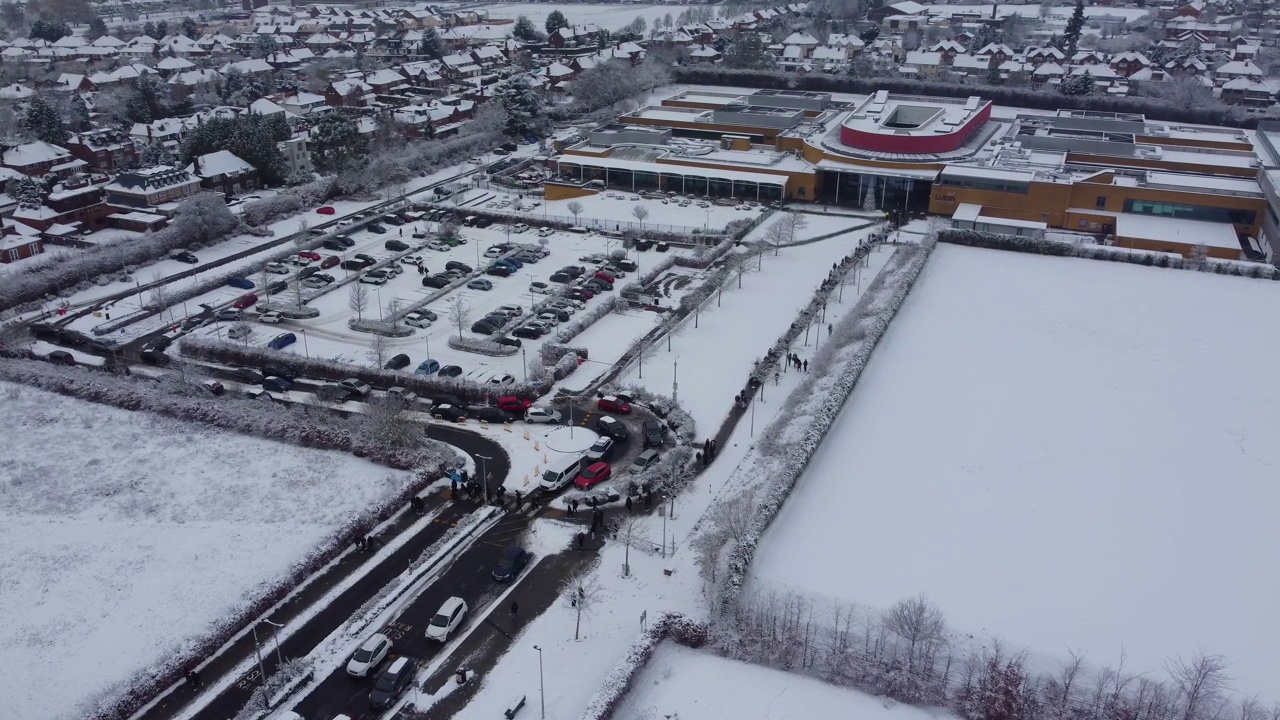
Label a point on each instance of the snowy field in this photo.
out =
(609, 17)
(676, 681)
(617, 206)
(1060, 452)
(140, 533)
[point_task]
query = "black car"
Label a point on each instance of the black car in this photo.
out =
(109, 347)
(456, 265)
(366, 259)
(278, 286)
(450, 371)
(192, 323)
(655, 433)
(628, 265)
(325, 277)
(436, 281)
(498, 270)
(186, 257)
(72, 338)
(492, 414)
(561, 315)
(396, 245)
(346, 241)
(509, 342)
(452, 413)
(596, 285)
(399, 362)
(510, 563)
(248, 375)
(428, 314)
(509, 146)
(376, 228)
(445, 399)
(573, 270)
(355, 265)
(160, 343)
(613, 427)
(60, 357)
(393, 682)
(483, 222)
(280, 372)
(526, 332)
(561, 277)
(333, 244)
(276, 384)
(333, 393)
(576, 294)
(308, 271)
(151, 356)
(392, 219)
(485, 327)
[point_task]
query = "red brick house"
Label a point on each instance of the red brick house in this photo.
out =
(18, 242)
(108, 149)
(75, 203)
(39, 158)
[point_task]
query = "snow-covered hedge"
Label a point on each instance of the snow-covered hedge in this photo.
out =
(425, 385)
(617, 683)
(646, 278)
(413, 160)
(289, 201)
(789, 442)
(676, 417)
(581, 322)
(1064, 248)
(200, 220)
(378, 327)
(483, 347)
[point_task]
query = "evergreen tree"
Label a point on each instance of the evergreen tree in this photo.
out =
(190, 28)
(45, 122)
(1071, 37)
(555, 21)
(251, 138)
(162, 29)
(993, 74)
(28, 192)
(1077, 84)
(149, 29)
(748, 52)
(77, 114)
(525, 30)
(51, 29)
(522, 106)
(97, 28)
(335, 143)
(263, 46)
(157, 154)
(431, 45)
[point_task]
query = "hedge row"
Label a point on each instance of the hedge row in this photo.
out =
(620, 680)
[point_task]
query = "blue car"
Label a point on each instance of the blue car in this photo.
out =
(236, 281)
(283, 340)
(427, 367)
(509, 262)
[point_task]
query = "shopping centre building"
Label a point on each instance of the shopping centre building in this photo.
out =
(1146, 184)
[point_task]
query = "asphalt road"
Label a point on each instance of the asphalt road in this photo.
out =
(468, 578)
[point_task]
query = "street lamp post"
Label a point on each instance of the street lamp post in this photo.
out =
(524, 358)
(484, 477)
(542, 686)
(305, 347)
(257, 649)
(275, 638)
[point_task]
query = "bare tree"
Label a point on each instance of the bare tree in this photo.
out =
(575, 208)
(301, 237)
(583, 594)
(159, 295)
(378, 349)
(264, 281)
(297, 293)
(392, 309)
(458, 312)
(795, 222)
(917, 621)
(245, 332)
(387, 424)
(733, 517)
(633, 532)
(641, 212)
(359, 298)
(777, 234)
(1201, 682)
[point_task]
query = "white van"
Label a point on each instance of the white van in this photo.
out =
(557, 477)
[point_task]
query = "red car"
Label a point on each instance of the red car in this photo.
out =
(309, 255)
(511, 403)
(244, 301)
(610, 403)
(595, 474)
(326, 210)
(330, 261)
(602, 275)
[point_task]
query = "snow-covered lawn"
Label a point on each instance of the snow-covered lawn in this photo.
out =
(617, 206)
(712, 361)
(1065, 453)
(692, 684)
(609, 17)
(126, 537)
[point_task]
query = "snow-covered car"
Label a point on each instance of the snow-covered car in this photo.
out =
(400, 393)
(372, 652)
(540, 288)
(520, 227)
(543, 232)
(501, 379)
(541, 415)
(600, 449)
(548, 318)
(314, 282)
(412, 260)
(298, 260)
(374, 277)
(271, 317)
(417, 319)
(357, 386)
(276, 268)
(493, 253)
(438, 246)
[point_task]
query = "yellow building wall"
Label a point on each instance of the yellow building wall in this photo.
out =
(556, 191)
(1085, 195)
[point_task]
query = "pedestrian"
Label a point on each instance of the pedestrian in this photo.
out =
(193, 679)
(806, 366)
(519, 500)
(648, 499)
(628, 503)
(830, 329)
(453, 491)
(515, 608)
(706, 445)
(465, 476)
(582, 539)
(698, 457)
(573, 507)
(714, 448)
(592, 502)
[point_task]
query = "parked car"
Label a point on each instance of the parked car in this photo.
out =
(276, 384)
(436, 281)
(501, 379)
(450, 371)
(655, 433)
(447, 619)
(396, 245)
(613, 427)
(494, 252)
(520, 227)
(485, 327)
(278, 286)
(480, 284)
(439, 246)
(187, 325)
(244, 301)
(376, 228)
(398, 362)
(597, 286)
(579, 294)
(365, 258)
(276, 268)
(427, 367)
(514, 404)
(600, 449)
(307, 272)
(332, 244)
(498, 270)
(236, 281)
(308, 254)
(60, 357)
(541, 415)
(510, 563)
(346, 241)
(271, 317)
(214, 387)
(417, 319)
(456, 265)
(628, 265)
(613, 403)
(511, 310)
(402, 394)
(644, 460)
(528, 332)
(298, 261)
(593, 475)
(315, 282)
(333, 393)
(393, 682)
(509, 342)
(283, 340)
(375, 277)
(326, 210)
(353, 265)
(229, 315)
(186, 257)
(491, 414)
(540, 288)
(371, 653)
(544, 232)
(247, 375)
(510, 262)
(358, 386)
(452, 413)
(329, 262)
(560, 277)
(549, 318)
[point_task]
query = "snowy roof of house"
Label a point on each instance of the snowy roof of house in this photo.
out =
(322, 39)
(1249, 83)
(558, 70)
(947, 45)
(1049, 68)
(351, 87)
(174, 63)
(704, 51)
(1131, 57)
(970, 62)
(1048, 50)
(994, 49)
(108, 41)
(14, 52)
(303, 97)
(70, 80)
(16, 91)
(263, 106)
(33, 153)
(923, 58)
(255, 65)
(195, 77)
(1187, 232)
(384, 77)
(908, 7)
(222, 162)
(1240, 67)
(70, 41)
(800, 38)
(490, 52)
(1097, 71)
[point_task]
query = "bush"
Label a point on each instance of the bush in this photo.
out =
(483, 347)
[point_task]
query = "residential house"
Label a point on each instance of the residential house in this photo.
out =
(348, 93)
(223, 172)
(385, 82)
(1128, 63)
(1237, 69)
(39, 158)
(74, 204)
(909, 7)
(488, 57)
(1045, 54)
(18, 241)
(704, 54)
(150, 188)
(423, 73)
(803, 42)
(71, 82)
(947, 50)
(1047, 73)
(1186, 66)
(923, 64)
(297, 156)
(106, 149)
(1250, 92)
(460, 66)
(194, 80)
(170, 66)
(304, 103)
